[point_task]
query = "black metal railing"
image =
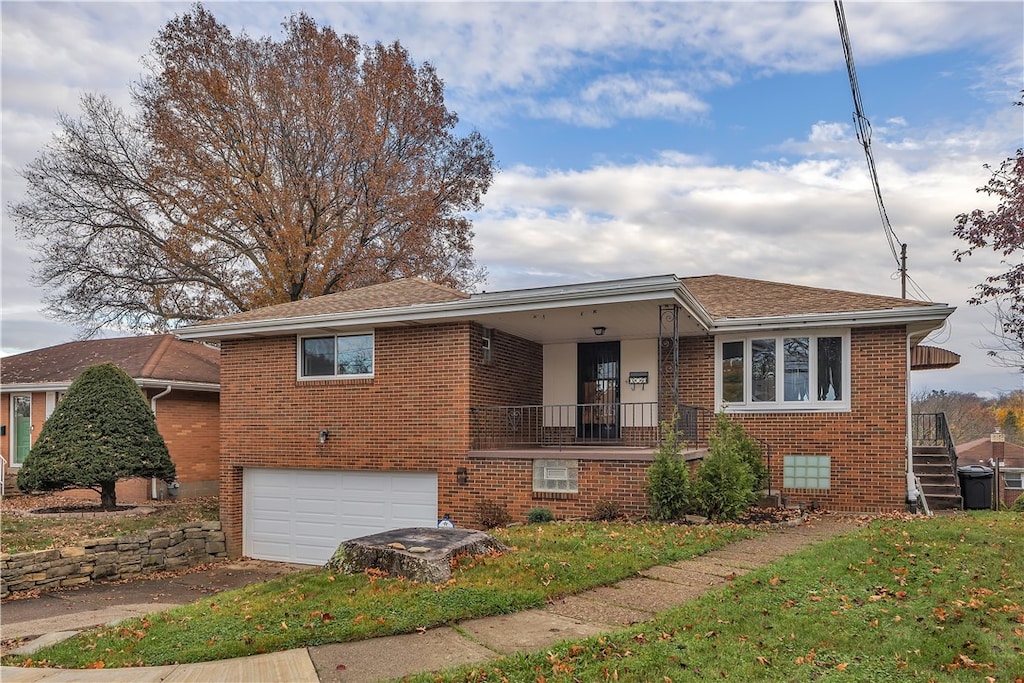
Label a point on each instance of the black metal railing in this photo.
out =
(635, 425)
(932, 429)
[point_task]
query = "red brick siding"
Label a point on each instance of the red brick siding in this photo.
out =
(513, 377)
(189, 421)
(414, 415)
(411, 415)
(867, 445)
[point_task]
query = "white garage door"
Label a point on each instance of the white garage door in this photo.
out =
(302, 515)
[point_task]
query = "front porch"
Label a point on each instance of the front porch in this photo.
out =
(611, 431)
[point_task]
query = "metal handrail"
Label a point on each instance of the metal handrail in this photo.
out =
(582, 424)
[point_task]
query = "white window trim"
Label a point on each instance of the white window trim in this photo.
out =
(809, 406)
(315, 378)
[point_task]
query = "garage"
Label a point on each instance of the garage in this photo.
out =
(294, 515)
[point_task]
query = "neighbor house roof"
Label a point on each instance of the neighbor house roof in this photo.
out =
(150, 360)
(980, 451)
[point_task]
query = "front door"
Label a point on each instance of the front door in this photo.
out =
(597, 417)
(22, 427)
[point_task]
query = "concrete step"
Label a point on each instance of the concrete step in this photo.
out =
(944, 502)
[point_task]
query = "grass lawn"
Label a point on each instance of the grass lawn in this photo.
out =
(22, 533)
(904, 600)
(314, 607)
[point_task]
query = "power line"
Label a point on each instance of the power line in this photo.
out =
(863, 127)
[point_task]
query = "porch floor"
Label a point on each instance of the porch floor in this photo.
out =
(580, 453)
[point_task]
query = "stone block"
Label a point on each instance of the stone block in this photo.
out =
(61, 571)
(72, 551)
(160, 543)
(75, 581)
(215, 547)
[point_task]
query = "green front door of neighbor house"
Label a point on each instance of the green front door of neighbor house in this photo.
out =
(22, 427)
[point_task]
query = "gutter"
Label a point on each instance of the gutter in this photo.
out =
(152, 406)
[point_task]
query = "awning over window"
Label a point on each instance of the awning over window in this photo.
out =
(932, 358)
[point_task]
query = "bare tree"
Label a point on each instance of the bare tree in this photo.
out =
(252, 172)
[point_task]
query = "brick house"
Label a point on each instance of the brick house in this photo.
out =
(992, 449)
(390, 405)
(180, 380)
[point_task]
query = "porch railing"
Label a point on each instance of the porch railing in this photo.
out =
(932, 429)
(636, 425)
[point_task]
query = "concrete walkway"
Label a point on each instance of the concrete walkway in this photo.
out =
(596, 611)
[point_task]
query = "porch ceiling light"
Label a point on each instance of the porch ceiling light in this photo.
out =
(599, 330)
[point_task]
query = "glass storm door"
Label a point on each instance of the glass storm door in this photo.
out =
(22, 427)
(597, 416)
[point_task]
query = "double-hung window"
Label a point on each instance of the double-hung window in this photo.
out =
(786, 371)
(347, 356)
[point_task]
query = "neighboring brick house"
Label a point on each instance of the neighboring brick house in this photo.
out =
(390, 405)
(988, 451)
(179, 379)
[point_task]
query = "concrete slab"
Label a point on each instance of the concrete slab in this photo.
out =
(704, 565)
(42, 641)
(16, 674)
(152, 674)
(735, 559)
(79, 621)
(290, 666)
(684, 577)
(527, 631)
(649, 595)
(598, 612)
(396, 656)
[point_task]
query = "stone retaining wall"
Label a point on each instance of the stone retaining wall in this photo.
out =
(111, 559)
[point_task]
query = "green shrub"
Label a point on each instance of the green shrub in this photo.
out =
(491, 515)
(606, 511)
(727, 483)
(668, 478)
(101, 431)
(1018, 505)
(540, 516)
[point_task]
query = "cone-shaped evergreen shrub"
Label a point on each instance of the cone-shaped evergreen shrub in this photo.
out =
(101, 431)
(729, 479)
(668, 478)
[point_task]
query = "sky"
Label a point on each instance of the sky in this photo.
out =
(636, 138)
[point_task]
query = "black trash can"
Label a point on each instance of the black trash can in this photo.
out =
(976, 486)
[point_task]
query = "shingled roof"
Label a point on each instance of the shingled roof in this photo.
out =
(393, 294)
(160, 358)
(724, 297)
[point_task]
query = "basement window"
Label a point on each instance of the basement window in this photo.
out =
(807, 472)
(556, 476)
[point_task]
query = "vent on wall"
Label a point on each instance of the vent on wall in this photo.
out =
(486, 342)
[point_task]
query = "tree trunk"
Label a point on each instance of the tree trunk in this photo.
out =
(108, 495)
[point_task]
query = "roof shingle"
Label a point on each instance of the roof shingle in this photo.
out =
(724, 297)
(393, 294)
(154, 357)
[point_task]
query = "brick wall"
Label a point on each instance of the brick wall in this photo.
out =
(411, 415)
(189, 421)
(414, 415)
(867, 445)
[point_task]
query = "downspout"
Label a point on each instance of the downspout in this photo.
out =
(912, 492)
(152, 406)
